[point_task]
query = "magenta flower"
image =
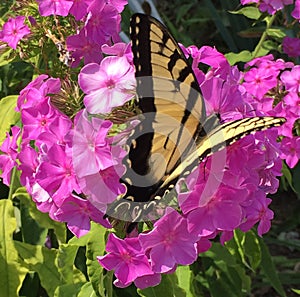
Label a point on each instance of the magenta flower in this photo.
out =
(57, 7)
(290, 148)
(13, 31)
(296, 12)
(78, 214)
(258, 82)
(82, 47)
(91, 151)
(28, 158)
(118, 49)
(36, 119)
(110, 84)
(56, 174)
(79, 8)
(103, 22)
(258, 211)
(8, 154)
(291, 46)
(127, 258)
(170, 243)
(291, 79)
(103, 188)
(271, 6)
(218, 210)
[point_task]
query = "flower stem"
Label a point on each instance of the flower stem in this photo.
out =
(264, 36)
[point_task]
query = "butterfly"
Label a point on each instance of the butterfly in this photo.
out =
(174, 134)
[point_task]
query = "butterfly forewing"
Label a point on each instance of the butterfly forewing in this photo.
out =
(171, 103)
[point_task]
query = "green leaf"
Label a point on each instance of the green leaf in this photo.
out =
(65, 262)
(184, 275)
(296, 291)
(7, 56)
(8, 115)
(41, 260)
(87, 291)
(12, 273)
(96, 247)
(69, 290)
(226, 35)
(249, 12)
(167, 288)
(266, 47)
(269, 270)
(252, 249)
(276, 33)
(243, 56)
(32, 232)
(41, 218)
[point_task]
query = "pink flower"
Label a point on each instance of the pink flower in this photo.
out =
(107, 85)
(103, 188)
(79, 8)
(258, 211)
(291, 46)
(78, 213)
(170, 243)
(28, 158)
(37, 119)
(82, 47)
(291, 79)
(258, 82)
(56, 174)
(127, 258)
(290, 148)
(103, 22)
(91, 151)
(218, 209)
(13, 31)
(57, 7)
(118, 49)
(296, 12)
(8, 154)
(271, 6)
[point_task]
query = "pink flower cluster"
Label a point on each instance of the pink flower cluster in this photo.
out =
(271, 6)
(98, 24)
(225, 192)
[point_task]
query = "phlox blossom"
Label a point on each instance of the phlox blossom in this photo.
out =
(8, 154)
(291, 46)
(88, 141)
(79, 8)
(107, 85)
(271, 6)
(103, 22)
(291, 79)
(217, 209)
(170, 243)
(258, 82)
(290, 150)
(57, 7)
(13, 31)
(296, 12)
(78, 213)
(56, 174)
(258, 211)
(82, 47)
(127, 258)
(36, 119)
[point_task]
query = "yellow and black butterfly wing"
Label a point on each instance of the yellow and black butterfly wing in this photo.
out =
(170, 101)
